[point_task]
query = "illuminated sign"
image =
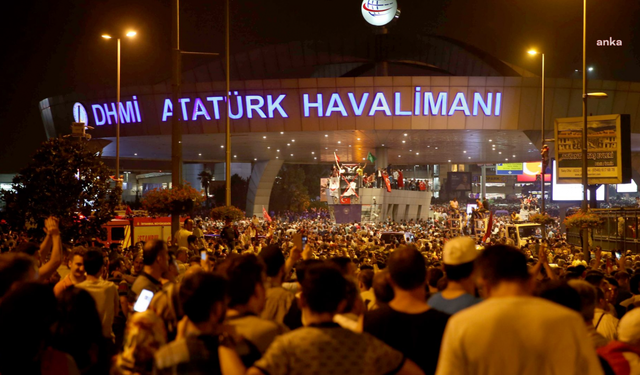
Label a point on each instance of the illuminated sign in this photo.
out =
(379, 12)
(608, 146)
(336, 104)
(570, 192)
(317, 105)
(80, 114)
(106, 113)
(509, 168)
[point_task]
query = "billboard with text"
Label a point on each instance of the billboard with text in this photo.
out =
(608, 149)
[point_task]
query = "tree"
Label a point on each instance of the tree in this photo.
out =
(205, 179)
(289, 190)
(66, 179)
(178, 200)
(227, 213)
(239, 191)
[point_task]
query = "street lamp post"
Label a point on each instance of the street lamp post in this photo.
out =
(542, 142)
(227, 143)
(585, 170)
(585, 141)
(129, 34)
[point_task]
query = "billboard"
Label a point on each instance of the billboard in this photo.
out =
(608, 146)
(459, 181)
(570, 192)
(531, 170)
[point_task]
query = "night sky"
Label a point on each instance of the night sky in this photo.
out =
(54, 47)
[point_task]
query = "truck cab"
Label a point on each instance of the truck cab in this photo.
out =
(521, 233)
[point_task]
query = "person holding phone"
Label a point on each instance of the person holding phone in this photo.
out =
(155, 257)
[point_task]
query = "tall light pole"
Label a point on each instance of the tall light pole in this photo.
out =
(227, 184)
(585, 140)
(542, 142)
(176, 126)
(129, 34)
(176, 83)
(585, 170)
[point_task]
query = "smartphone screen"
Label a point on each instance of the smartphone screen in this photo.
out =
(144, 299)
(617, 255)
(304, 242)
(297, 241)
(203, 255)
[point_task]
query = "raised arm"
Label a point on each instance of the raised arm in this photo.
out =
(545, 263)
(598, 258)
(45, 246)
(294, 255)
(54, 262)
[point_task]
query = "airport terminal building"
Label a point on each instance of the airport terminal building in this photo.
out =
(426, 100)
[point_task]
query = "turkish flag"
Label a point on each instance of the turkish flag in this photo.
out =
(345, 200)
(487, 234)
(265, 215)
(386, 181)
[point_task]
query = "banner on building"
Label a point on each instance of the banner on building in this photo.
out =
(608, 149)
(459, 181)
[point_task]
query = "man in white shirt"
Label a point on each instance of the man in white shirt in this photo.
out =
(180, 237)
(512, 332)
(105, 293)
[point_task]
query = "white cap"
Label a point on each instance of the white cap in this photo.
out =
(459, 250)
(629, 327)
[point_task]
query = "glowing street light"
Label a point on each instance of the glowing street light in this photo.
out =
(533, 52)
(129, 34)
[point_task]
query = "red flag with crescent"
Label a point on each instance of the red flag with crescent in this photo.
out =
(265, 215)
(386, 181)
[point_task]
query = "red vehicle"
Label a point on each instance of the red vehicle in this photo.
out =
(128, 232)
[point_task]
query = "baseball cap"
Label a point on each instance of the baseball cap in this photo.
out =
(629, 327)
(459, 250)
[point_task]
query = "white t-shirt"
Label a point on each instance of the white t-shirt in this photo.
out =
(105, 293)
(181, 237)
(607, 324)
(517, 335)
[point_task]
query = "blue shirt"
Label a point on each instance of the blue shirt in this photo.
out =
(452, 306)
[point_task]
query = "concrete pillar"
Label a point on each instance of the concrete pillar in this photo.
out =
(190, 174)
(263, 175)
(381, 157)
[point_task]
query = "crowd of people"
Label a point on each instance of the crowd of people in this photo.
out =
(379, 176)
(247, 298)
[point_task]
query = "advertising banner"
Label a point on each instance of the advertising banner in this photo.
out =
(608, 149)
(459, 181)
